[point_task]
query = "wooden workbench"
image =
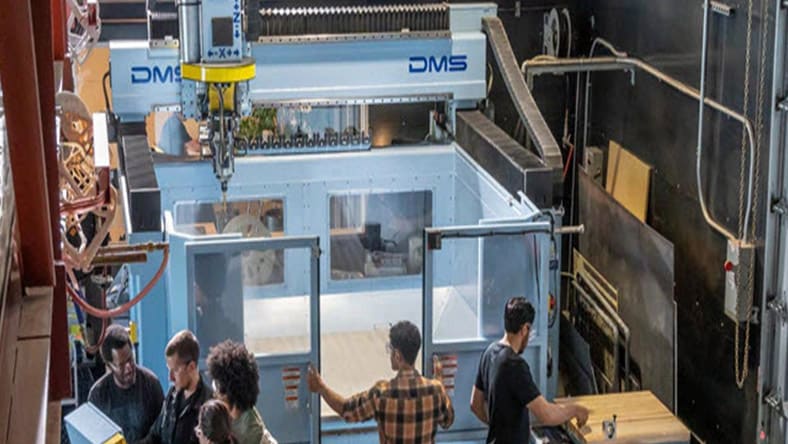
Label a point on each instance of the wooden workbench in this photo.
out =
(640, 418)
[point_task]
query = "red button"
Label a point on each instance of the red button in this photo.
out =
(728, 266)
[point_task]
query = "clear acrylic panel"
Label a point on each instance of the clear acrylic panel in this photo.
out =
(261, 218)
(378, 234)
(268, 319)
(473, 278)
(354, 333)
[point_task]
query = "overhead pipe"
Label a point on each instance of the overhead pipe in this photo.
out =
(536, 67)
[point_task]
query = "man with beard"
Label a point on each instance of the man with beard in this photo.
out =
(130, 395)
(505, 392)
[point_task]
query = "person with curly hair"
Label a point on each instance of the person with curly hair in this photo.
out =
(214, 424)
(235, 382)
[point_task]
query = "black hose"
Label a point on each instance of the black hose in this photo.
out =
(107, 105)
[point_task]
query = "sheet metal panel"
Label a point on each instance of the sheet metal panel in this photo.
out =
(513, 166)
(639, 262)
(371, 69)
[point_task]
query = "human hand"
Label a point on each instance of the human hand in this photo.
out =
(314, 380)
(581, 414)
(437, 368)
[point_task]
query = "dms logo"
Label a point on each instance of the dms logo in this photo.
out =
(155, 74)
(454, 63)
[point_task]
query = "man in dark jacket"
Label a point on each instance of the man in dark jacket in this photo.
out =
(181, 408)
(129, 394)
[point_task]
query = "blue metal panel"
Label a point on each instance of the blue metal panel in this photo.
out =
(88, 425)
(305, 183)
(283, 421)
(143, 78)
(371, 69)
(151, 312)
(467, 17)
(487, 197)
(222, 10)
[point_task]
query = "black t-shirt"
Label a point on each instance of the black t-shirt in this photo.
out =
(134, 409)
(505, 379)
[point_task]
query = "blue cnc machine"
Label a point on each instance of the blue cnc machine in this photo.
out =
(305, 242)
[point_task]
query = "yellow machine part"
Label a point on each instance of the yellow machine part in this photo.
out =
(228, 96)
(133, 336)
(219, 72)
(116, 439)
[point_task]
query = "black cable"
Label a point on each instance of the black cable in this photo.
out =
(107, 105)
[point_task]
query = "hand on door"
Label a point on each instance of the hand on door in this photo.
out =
(437, 368)
(314, 380)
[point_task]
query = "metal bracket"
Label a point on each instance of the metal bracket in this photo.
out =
(782, 103)
(169, 108)
(774, 401)
(434, 241)
(779, 309)
(780, 206)
(316, 252)
(722, 8)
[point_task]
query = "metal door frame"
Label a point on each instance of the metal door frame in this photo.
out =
(432, 239)
(312, 243)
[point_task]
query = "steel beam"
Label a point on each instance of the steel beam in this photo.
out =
(58, 29)
(43, 28)
(26, 146)
(511, 164)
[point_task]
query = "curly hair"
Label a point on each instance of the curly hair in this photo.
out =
(235, 373)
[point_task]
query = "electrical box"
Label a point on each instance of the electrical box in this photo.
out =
(594, 163)
(737, 294)
(88, 425)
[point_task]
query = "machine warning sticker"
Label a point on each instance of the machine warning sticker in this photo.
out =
(448, 372)
(291, 379)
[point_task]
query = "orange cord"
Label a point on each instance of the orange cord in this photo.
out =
(115, 312)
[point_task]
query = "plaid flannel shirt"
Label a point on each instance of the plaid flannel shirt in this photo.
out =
(408, 409)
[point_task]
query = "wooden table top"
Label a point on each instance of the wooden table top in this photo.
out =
(640, 418)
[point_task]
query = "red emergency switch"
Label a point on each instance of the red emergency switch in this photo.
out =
(728, 266)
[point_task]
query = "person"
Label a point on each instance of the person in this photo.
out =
(214, 425)
(505, 392)
(408, 408)
(130, 395)
(235, 382)
(188, 393)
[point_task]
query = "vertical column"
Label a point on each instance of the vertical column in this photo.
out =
(26, 146)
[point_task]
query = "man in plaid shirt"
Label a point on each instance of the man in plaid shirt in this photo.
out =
(408, 408)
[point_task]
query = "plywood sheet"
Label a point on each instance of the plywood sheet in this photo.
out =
(628, 180)
(640, 417)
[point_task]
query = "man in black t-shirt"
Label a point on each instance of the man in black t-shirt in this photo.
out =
(128, 394)
(505, 391)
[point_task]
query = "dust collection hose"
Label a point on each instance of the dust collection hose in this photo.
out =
(115, 312)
